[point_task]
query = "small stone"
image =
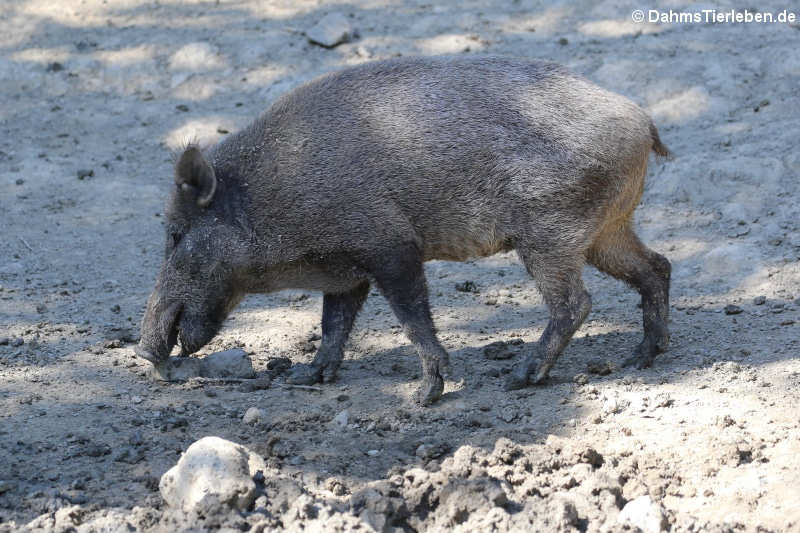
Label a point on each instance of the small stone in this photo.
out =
(760, 300)
(467, 286)
(644, 514)
(55, 66)
(732, 309)
(336, 487)
(116, 308)
(278, 365)
(601, 368)
(373, 453)
(508, 414)
(331, 30)
(787, 322)
(427, 452)
(182, 107)
(85, 173)
(4, 341)
(259, 383)
(581, 379)
(563, 41)
(341, 419)
(95, 450)
(41, 308)
(254, 415)
(19, 181)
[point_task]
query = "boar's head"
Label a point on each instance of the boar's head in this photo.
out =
(204, 259)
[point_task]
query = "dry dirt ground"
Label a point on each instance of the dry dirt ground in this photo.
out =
(94, 93)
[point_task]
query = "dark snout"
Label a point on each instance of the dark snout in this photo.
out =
(159, 330)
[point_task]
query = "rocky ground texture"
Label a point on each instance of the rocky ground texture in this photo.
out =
(96, 94)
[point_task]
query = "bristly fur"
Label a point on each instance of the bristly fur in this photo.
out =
(363, 174)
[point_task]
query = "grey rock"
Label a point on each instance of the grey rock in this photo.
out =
(233, 363)
(331, 30)
(254, 415)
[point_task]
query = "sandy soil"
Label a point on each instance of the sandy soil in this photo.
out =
(96, 92)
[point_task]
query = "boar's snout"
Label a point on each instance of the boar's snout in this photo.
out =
(159, 330)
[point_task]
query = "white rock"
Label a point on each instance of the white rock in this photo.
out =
(330, 30)
(212, 471)
(643, 513)
(340, 421)
(254, 415)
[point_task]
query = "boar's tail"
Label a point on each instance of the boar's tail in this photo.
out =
(658, 147)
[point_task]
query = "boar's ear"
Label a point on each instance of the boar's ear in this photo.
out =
(193, 174)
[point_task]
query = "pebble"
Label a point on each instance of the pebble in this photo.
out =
(254, 415)
(373, 453)
(331, 30)
(601, 368)
(759, 300)
(732, 309)
(341, 419)
(581, 379)
(644, 514)
(467, 286)
(85, 173)
(4, 341)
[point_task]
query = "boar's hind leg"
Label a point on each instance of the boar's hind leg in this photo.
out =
(559, 280)
(622, 255)
(401, 278)
(338, 315)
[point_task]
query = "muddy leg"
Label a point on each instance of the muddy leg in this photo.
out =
(569, 303)
(623, 256)
(338, 315)
(401, 278)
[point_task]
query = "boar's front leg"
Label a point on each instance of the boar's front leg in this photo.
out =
(338, 315)
(401, 278)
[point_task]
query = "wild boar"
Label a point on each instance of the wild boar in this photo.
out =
(362, 175)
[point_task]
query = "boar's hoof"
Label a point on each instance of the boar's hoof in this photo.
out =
(304, 375)
(146, 354)
(644, 355)
(430, 391)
